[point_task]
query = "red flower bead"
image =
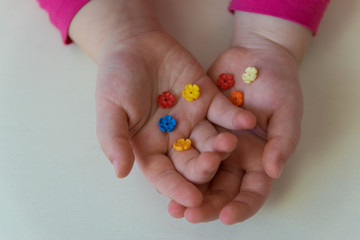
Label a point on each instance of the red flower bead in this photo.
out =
(225, 81)
(166, 100)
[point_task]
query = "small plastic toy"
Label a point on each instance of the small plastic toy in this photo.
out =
(237, 98)
(182, 144)
(225, 81)
(166, 100)
(250, 75)
(167, 123)
(191, 92)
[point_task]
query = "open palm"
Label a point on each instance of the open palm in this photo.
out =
(274, 97)
(133, 71)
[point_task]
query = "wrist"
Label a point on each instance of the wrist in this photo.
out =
(100, 20)
(263, 32)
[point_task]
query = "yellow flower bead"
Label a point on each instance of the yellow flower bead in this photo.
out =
(191, 92)
(250, 74)
(182, 144)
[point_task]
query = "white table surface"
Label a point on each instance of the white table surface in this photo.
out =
(55, 182)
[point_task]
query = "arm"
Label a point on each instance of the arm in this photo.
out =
(258, 31)
(99, 20)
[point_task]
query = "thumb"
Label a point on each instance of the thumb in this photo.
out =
(113, 133)
(223, 113)
(283, 137)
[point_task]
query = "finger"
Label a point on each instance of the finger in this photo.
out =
(240, 175)
(198, 169)
(113, 134)
(223, 113)
(255, 185)
(283, 137)
(206, 138)
(200, 163)
(176, 210)
(223, 189)
(255, 188)
(159, 170)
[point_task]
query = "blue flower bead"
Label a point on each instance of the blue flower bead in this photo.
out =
(167, 123)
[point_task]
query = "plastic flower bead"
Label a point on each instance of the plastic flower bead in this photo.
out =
(167, 123)
(191, 92)
(250, 74)
(237, 98)
(182, 144)
(225, 81)
(166, 100)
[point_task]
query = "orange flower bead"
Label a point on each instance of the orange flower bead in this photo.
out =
(237, 98)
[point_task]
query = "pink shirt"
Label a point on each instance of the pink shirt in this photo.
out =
(61, 12)
(305, 12)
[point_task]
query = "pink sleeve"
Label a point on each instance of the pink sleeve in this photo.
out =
(61, 13)
(305, 12)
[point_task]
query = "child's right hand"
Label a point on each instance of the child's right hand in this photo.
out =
(137, 62)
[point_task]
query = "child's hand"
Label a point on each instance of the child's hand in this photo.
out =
(274, 97)
(243, 181)
(275, 47)
(238, 190)
(136, 64)
(131, 75)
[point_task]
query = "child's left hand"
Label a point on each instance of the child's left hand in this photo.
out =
(275, 98)
(243, 181)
